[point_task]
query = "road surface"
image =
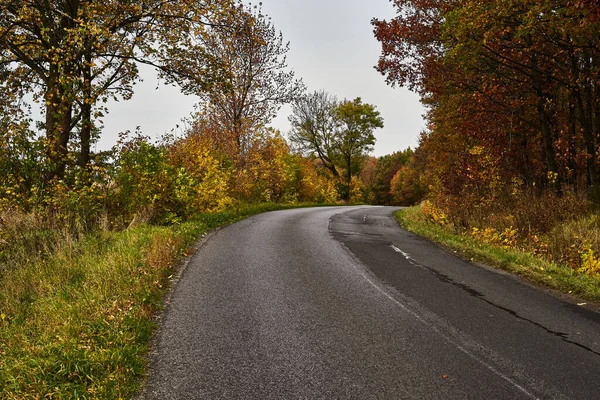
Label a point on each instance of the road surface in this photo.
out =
(341, 303)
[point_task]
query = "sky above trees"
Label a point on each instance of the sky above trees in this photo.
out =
(332, 48)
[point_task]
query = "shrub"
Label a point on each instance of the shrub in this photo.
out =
(202, 176)
(143, 181)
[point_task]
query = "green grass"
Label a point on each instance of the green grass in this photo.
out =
(534, 269)
(76, 317)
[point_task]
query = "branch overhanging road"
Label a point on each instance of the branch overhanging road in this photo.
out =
(341, 303)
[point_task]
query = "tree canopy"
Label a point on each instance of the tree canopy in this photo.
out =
(511, 88)
(256, 80)
(314, 127)
(357, 121)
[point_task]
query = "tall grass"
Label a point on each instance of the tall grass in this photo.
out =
(558, 228)
(76, 323)
(76, 308)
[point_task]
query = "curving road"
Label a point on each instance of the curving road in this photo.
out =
(341, 303)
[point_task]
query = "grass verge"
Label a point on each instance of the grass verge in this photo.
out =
(76, 321)
(534, 269)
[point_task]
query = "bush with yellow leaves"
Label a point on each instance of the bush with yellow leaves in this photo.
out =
(261, 174)
(505, 238)
(434, 213)
(202, 175)
(590, 263)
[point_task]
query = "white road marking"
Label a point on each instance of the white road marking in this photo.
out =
(397, 250)
(438, 331)
(406, 255)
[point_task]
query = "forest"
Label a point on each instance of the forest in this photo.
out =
(511, 153)
(510, 156)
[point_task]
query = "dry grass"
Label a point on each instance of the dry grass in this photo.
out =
(556, 228)
(75, 308)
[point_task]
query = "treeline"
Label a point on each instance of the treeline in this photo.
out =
(513, 97)
(510, 86)
(386, 180)
(173, 179)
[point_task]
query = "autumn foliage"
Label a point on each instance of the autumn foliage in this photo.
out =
(513, 95)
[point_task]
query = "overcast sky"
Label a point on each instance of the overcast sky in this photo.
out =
(331, 48)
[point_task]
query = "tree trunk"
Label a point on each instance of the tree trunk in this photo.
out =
(346, 196)
(585, 122)
(544, 120)
(85, 136)
(59, 96)
(572, 162)
(58, 127)
(86, 114)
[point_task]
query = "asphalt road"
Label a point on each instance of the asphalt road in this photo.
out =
(341, 303)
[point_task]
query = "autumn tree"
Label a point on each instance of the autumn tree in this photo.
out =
(256, 80)
(73, 54)
(411, 43)
(383, 170)
(512, 82)
(368, 177)
(340, 134)
(407, 186)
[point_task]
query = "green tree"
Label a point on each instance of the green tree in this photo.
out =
(356, 123)
(314, 127)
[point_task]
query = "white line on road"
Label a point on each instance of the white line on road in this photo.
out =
(438, 331)
(406, 255)
(397, 250)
